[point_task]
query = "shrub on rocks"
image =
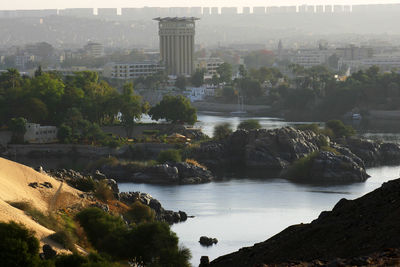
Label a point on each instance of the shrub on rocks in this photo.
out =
(249, 125)
(139, 213)
(170, 155)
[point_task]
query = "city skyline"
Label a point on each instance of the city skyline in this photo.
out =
(60, 4)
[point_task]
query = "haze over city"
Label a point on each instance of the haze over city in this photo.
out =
(44, 4)
(199, 133)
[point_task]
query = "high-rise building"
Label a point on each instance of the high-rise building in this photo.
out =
(177, 44)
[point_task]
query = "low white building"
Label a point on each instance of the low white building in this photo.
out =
(37, 134)
(94, 49)
(384, 62)
(210, 64)
(135, 70)
(311, 57)
(195, 93)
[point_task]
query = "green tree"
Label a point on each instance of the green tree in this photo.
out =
(181, 82)
(222, 131)
(197, 78)
(339, 129)
(155, 244)
(176, 109)
(250, 88)
(64, 134)
(249, 125)
(229, 93)
(10, 79)
(131, 108)
(257, 59)
(242, 71)
(225, 72)
(18, 129)
(18, 246)
(172, 155)
(140, 213)
(31, 108)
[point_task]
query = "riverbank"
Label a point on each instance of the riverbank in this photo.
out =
(384, 115)
(228, 108)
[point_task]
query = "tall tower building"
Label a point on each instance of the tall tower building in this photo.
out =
(177, 44)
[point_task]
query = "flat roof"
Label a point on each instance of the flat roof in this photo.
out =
(176, 19)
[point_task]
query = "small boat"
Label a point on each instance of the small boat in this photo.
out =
(240, 110)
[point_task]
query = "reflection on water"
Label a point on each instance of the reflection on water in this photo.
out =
(243, 212)
(207, 121)
(381, 130)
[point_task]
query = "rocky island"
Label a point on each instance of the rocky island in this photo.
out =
(279, 150)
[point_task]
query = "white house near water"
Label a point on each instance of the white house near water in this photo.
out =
(37, 134)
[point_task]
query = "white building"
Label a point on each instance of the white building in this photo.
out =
(22, 60)
(131, 70)
(210, 64)
(195, 93)
(311, 57)
(384, 62)
(37, 134)
(94, 49)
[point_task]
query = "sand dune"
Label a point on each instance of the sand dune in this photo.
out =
(14, 187)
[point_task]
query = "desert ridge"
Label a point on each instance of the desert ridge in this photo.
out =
(19, 183)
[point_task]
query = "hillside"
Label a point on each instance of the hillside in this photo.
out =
(48, 195)
(365, 226)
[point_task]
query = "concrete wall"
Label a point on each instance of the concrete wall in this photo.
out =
(55, 150)
(137, 129)
(63, 149)
(5, 137)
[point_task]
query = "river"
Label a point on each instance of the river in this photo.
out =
(241, 212)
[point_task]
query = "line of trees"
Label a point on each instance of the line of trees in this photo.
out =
(79, 104)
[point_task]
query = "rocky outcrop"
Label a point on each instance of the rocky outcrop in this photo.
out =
(373, 153)
(354, 228)
(169, 173)
(82, 181)
(329, 167)
(168, 216)
(269, 149)
(278, 149)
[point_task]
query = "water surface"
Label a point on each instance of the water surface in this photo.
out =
(241, 212)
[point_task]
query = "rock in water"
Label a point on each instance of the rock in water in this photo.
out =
(207, 241)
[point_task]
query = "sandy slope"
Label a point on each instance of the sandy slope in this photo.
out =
(14, 180)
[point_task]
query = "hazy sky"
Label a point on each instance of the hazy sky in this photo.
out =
(43, 4)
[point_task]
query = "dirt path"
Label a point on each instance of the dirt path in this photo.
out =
(53, 201)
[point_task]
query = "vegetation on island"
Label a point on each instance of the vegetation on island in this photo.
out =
(249, 125)
(332, 129)
(222, 131)
(176, 109)
(124, 233)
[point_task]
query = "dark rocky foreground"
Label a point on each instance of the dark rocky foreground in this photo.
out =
(360, 232)
(278, 149)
